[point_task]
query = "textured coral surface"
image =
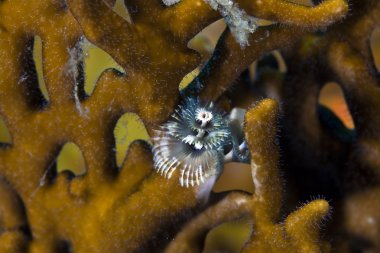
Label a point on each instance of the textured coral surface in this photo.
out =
(125, 206)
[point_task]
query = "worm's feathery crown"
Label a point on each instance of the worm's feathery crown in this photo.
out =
(193, 140)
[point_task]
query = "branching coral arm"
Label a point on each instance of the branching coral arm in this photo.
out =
(183, 20)
(102, 26)
(359, 30)
(59, 33)
(302, 226)
(229, 60)
(12, 107)
(300, 232)
(360, 87)
(12, 221)
(260, 131)
(163, 200)
(285, 12)
(188, 18)
(139, 10)
(192, 236)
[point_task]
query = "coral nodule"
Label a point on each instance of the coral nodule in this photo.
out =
(111, 205)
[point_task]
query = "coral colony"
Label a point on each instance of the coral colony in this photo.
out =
(293, 147)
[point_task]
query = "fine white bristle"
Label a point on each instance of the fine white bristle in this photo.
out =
(187, 176)
(181, 177)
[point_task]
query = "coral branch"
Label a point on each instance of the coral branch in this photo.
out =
(188, 18)
(302, 225)
(218, 75)
(143, 11)
(106, 29)
(12, 107)
(192, 237)
(285, 12)
(301, 233)
(183, 20)
(59, 33)
(260, 129)
(13, 222)
(360, 88)
(359, 28)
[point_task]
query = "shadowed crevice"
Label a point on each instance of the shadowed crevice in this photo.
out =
(29, 78)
